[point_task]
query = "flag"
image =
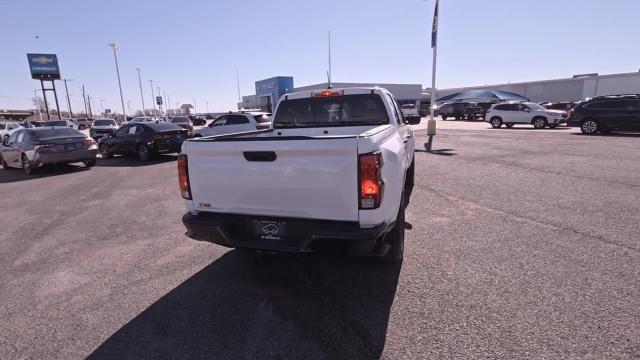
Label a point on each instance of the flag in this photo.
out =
(434, 29)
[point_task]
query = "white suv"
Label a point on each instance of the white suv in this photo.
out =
(236, 122)
(7, 128)
(512, 113)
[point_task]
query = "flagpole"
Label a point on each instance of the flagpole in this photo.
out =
(431, 123)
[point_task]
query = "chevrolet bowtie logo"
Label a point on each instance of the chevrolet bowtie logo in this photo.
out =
(42, 60)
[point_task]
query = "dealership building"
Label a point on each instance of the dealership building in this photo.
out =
(575, 88)
(269, 91)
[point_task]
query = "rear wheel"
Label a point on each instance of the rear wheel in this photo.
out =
(90, 163)
(539, 123)
(496, 122)
(143, 152)
(26, 165)
(395, 238)
(104, 151)
(589, 127)
(444, 117)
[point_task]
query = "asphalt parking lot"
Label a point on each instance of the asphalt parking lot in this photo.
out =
(521, 244)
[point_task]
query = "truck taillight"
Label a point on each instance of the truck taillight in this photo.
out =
(371, 184)
(183, 177)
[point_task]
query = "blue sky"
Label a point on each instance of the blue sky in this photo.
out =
(192, 48)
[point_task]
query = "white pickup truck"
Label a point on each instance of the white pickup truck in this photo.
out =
(335, 169)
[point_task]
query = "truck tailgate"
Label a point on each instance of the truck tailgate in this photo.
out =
(314, 178)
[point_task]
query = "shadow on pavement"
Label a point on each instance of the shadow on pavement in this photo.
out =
(611, 134)
(15, 175)
(243, 306)
(531, 128)
(132, 161)
(442, 152)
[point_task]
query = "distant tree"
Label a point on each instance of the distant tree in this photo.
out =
(138, 113)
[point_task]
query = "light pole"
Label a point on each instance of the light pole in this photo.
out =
(66, 89)
(35, 93)
(101, 106)
(178, 107)
(129, 106)
(141, 95)
(153, 96)
(195, 111)
(114, 46)
(207, 102)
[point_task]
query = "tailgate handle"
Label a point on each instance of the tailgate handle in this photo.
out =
(260, 155)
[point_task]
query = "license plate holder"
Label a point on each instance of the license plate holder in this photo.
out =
(270, 230)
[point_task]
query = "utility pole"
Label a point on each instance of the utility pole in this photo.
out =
(66, 89)
(89, 103)
(141, 95)
(101, 106)
(153, 96)
(195, 111)
(35, 93)
(84, 100)
(115, 56)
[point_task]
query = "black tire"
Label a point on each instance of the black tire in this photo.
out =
(553, 126)
(5, 138)
(90, 163)
(26, 165)
(81, 127)
(539, 122)
(444, 117)
(509, 125)
(589, 127)
(395, 237)
(143, 152)
(104, 151)
(496, 122)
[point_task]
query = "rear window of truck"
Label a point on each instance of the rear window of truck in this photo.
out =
(344, 110)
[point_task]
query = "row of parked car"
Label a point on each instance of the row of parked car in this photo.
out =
(57, 142)
(600, 114)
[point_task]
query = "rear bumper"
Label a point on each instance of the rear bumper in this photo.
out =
(65, 157)
(301, 235)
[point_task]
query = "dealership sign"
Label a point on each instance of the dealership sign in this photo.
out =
(159, 100)
(44, 66)
(266, 86)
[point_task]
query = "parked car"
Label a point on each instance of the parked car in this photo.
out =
(565, 106)
(31, 149)
(512, 113)
(337, 167)
(7, 128)
(607, 113)
(102, 127)
(197, 120)
(410, 111)
(60, 123)
(454, 110)
(143, 139)
(236, 122)
(184, 122)
(82, 123)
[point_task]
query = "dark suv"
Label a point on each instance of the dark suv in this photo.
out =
(607, 113)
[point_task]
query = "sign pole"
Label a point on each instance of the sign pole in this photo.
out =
(431, 123)
(55, 95)
(44, 95)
